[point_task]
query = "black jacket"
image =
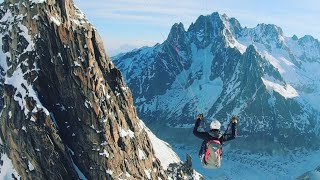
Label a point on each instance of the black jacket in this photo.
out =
(206, 136)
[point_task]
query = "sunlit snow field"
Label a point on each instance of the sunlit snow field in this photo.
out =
(238, 164)
(241, 165)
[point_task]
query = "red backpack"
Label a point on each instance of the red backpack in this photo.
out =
(212, 154)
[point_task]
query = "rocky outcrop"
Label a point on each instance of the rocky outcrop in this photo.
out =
(183, 170)
(67, 113)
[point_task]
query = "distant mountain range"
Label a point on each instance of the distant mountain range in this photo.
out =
(217, 67)
(122, 49)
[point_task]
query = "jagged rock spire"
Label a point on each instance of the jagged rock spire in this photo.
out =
(67, 112)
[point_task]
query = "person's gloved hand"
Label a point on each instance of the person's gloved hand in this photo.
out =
(200, 116)
(234, 119)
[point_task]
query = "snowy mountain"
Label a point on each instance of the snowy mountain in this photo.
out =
(311, 175)
(217, 67)
(122, 49)
(66, 112)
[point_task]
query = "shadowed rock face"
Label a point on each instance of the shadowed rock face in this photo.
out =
(65, 105)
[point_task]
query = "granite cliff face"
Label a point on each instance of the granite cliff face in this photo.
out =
(66, 111)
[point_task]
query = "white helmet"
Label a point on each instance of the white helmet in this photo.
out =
(215, 124)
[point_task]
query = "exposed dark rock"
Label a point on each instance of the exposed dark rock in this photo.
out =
(65, 106)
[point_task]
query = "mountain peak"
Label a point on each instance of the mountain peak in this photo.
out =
(177, 30)
(206, 29)
(269, 29)
(268, 34)
(177, 25)
(294, 37)
(216, 15)
(308, 38)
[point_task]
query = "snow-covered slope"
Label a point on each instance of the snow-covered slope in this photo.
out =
(243, 165)
(7, 170)
(163, 150)
(166, 155)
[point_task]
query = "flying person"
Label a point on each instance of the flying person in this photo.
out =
(211, 149)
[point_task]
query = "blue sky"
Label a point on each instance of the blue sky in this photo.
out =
(146, 22)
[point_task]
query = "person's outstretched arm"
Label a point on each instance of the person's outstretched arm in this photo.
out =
(228, 137)
(201, 135)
